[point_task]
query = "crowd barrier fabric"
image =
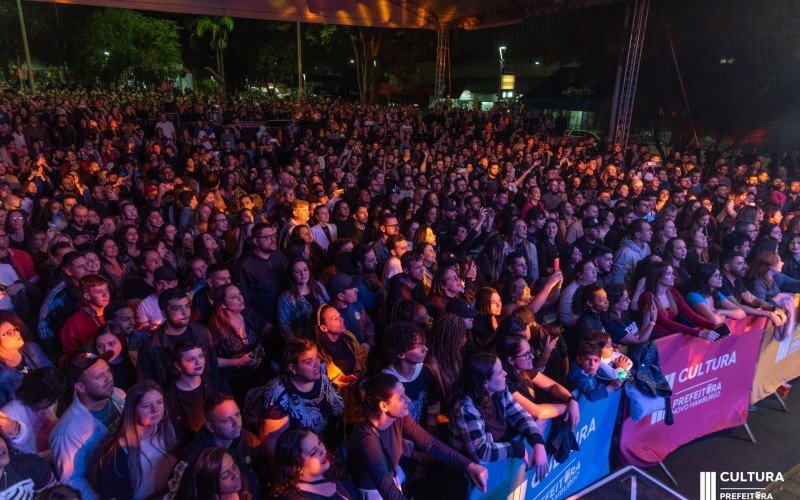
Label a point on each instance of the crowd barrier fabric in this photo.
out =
(711, 384)
(508, 479)
(778, 362)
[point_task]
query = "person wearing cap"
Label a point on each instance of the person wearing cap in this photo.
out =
(81, 327)
(592, 227)
(343, 290)
(442, 226)
(147, 313)
(95, 411)
(460, 308)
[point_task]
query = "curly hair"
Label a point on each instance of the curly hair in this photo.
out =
(401, 338)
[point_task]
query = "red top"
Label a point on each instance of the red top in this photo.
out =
(666, 321)
(79, 330)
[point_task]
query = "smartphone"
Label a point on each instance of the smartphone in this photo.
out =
(722, 330)
(556, 264)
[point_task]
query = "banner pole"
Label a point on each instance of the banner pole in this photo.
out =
(780, 401)
(667, 473)
(749, 432)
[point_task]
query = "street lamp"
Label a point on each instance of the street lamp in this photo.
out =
(502, 51)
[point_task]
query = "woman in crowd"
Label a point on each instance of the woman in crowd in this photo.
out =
(585, 274)
(130, 243)
(109, 338)
(345, 358)
(705, 296)
(192, 387)
(663, 230)
(697, 252)
(765, 279)
(487, 419)
(484, 328)
(28, 420)
(547, 247)
(237, 341)
(791, 255)
(297, 305)
(305, 469)
(376, 444)
(213, 475)
(17, 358)
(446, 343)
(137, 459)
(115, 267)
(675, 254)
(621, 324)
(523, 380)
(670, 305)
(769, 240)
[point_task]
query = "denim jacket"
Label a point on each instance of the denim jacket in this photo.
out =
(296, 315)
(10, 379)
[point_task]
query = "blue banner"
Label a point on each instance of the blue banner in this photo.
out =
(508, 479)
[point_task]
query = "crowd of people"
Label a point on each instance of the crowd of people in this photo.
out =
(356, 302)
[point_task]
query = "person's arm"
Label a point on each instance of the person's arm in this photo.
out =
(687, 311)
(285, 316)
(786, 283)
(702, 308)
(620, 268)
(728, 309)
(539, 411)
(553, 281)
(375, 459)
(565, 314)
(467, 422)
(558, 391)
(269, 430)
(666, 326)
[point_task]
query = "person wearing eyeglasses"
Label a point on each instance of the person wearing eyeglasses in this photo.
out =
(17, 358)
(524, 381)
(261, 275)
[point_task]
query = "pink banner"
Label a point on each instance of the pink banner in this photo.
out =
(711, 384)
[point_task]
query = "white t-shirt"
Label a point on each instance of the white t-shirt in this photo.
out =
(147, 313)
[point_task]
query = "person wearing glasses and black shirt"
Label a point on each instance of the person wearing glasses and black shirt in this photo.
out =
(261, 274)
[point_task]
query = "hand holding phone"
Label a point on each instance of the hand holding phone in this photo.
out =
(557, 264)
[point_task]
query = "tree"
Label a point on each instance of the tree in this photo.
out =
(123, 46)
(218, 30)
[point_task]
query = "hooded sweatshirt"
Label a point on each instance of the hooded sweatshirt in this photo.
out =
(625, 260)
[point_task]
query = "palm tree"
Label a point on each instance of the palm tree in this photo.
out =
(218, 29)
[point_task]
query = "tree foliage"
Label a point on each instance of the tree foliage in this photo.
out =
(139, 48)
(217, 30)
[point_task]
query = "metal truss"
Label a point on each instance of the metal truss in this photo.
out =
(622, 128)
(442, 48)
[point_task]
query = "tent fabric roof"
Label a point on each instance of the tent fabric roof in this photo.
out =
(426, 14)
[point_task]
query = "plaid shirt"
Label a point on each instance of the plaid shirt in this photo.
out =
(468, 429)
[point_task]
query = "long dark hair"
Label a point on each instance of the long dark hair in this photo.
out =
(202, 478)
(476, 373)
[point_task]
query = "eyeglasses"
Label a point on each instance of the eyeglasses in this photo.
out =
(526, 355)
(452, 277)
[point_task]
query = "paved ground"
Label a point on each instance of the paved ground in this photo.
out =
(777, 448)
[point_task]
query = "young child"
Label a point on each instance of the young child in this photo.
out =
(583, 374)
(610, 359)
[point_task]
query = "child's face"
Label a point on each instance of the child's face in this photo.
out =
(608, 349)
(589, 363)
